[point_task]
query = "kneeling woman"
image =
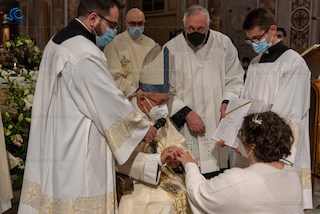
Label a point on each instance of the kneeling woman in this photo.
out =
(268, 185)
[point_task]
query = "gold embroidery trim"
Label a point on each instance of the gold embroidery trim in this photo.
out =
(180, 204)
(31, 196)
(122, 129)
(305, 176)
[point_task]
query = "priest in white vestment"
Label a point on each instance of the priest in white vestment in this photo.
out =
(126, 52)
(81, 123)
(157, 187)
(207, 74)
(281, 77)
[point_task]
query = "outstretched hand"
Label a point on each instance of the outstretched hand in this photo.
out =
(186, 157)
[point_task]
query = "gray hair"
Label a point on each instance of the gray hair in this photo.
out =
(144, 93)
(196, 9)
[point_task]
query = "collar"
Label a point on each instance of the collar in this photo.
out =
(74, 28)
(274, 53)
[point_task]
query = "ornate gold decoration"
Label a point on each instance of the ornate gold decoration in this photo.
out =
(46, 204)
(305, 176)
(175, 192)
(124, 63)
(122, 129)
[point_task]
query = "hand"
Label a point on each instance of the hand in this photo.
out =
(223, 109)
(151, 134)
(221, 143)
(169, 156)
(195, 123)
(187, 158)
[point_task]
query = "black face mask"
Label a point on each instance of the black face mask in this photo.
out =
(196, 38)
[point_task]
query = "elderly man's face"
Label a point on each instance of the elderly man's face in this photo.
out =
(196, 23)
(155, 99)
(196, 28)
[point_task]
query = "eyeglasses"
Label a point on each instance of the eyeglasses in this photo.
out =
(157, 102)
(256, 41)
(114, 25)
(191, 29)
(134, 24)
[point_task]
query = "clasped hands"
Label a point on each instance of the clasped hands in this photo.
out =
(173, 155)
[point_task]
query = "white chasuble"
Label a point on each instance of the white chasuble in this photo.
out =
(285, 83)
(155, 191)
(125, 56)
(81, 123)
(201, 81)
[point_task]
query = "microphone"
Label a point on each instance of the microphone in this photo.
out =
(160, 123)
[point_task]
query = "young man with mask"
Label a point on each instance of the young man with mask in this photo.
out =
(81, 123)
(281, 77)
(207, 74)
(161, 190)
(126, 53)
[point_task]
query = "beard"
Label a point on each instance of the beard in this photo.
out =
(98, 29)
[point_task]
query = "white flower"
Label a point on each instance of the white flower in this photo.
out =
(24, 71)
(12, 72)
(28, 41)
(31, 73)
(8, 44)
(28, 101)
(36, 49)
(19, 43)
(4, 73)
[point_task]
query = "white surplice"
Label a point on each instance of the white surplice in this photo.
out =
(156, 189)
(81, 123)
(285, 83)
(125, 56)
(202, 80)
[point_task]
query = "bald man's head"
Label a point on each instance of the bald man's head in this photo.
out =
(135, 18)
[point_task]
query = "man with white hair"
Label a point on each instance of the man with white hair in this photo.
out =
(157, 187)
(127, 51)
(207, 74)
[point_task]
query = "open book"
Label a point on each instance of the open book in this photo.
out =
(229, 126)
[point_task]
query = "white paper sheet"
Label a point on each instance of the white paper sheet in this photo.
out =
(229, 126)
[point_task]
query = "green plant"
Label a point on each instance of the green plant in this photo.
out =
(16, 120)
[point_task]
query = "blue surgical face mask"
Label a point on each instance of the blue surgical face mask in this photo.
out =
(262, 46)
(107, 37)
(136, 32)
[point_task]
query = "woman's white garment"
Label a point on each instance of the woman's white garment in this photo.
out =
(285, 83)
(260, 188)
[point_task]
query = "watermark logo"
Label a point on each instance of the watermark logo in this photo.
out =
(14, 17)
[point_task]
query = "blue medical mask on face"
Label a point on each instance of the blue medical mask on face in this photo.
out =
(262, 46)
(136, 32)
(107, 37)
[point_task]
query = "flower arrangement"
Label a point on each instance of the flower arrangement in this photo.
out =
(17, 86)
(24, 52)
